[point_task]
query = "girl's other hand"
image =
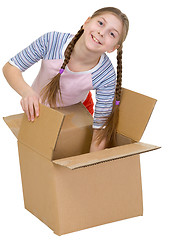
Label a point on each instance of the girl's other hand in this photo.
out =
(30, 104)
(30, 99)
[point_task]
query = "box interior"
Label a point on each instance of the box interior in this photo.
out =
(76, 133)
(81, 141)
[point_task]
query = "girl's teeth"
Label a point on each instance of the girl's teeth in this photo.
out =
(95, 39)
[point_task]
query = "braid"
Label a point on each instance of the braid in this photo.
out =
(70, 47)
(109, 128)
(119, 74)
(52, 91)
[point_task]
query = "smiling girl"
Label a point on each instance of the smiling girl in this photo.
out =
(72, 65)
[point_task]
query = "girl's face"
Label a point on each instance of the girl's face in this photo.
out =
(102, 33)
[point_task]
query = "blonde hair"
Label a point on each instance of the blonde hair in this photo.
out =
(52, 93)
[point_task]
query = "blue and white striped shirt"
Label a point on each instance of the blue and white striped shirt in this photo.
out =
(74, 85)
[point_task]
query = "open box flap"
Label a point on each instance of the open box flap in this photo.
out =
(134, 113)
(76, 116)
(105, 155)
(14, 122)
(41, 135)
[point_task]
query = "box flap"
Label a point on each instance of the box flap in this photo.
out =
(14, 122)
(135, 112)
(41, 135)
(76, 116)
(105, 155)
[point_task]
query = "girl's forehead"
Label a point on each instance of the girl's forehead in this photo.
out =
(109, 16)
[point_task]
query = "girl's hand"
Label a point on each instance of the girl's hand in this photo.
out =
(30, 104)
(95, 144)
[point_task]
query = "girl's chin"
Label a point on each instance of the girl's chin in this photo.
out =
(92, 45)
(93, 49)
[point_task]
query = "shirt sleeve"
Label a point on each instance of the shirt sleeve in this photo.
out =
(32, 54)
(105, 92)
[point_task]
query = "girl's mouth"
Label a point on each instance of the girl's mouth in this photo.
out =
(95, 39)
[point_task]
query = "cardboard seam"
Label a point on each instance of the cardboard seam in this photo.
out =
(108, 160)
(58, 136)
(133, 141)
(19, 141)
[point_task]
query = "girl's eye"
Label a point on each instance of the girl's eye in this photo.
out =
(112, 34)
(100, 23)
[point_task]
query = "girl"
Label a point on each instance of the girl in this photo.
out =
(71, 67)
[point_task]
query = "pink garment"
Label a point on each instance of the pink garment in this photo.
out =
(74, 85)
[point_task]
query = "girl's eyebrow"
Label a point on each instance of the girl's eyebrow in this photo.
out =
(113, 28)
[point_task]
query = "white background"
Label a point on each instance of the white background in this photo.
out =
(146, 64)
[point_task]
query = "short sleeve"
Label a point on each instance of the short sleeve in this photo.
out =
(104, 84)
(32, 54)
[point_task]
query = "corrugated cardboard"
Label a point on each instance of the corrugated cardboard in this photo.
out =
(67, 187)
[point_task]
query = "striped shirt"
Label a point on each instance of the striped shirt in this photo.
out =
(74, 85)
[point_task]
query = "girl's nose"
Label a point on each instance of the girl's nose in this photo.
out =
(100, 33)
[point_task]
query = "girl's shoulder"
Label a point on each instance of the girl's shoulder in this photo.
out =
(55, 36)
(107, 60)
(104, 73)
(104, 65)
(54, 43)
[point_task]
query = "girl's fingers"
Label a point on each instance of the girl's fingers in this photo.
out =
(25, 108)
(31, 110)
(30, 106)
(36, 107)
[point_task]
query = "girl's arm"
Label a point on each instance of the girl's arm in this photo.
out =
(95, 146)
(22, 61)
(30, 99)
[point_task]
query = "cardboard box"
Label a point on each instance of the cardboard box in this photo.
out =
(70, 189)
